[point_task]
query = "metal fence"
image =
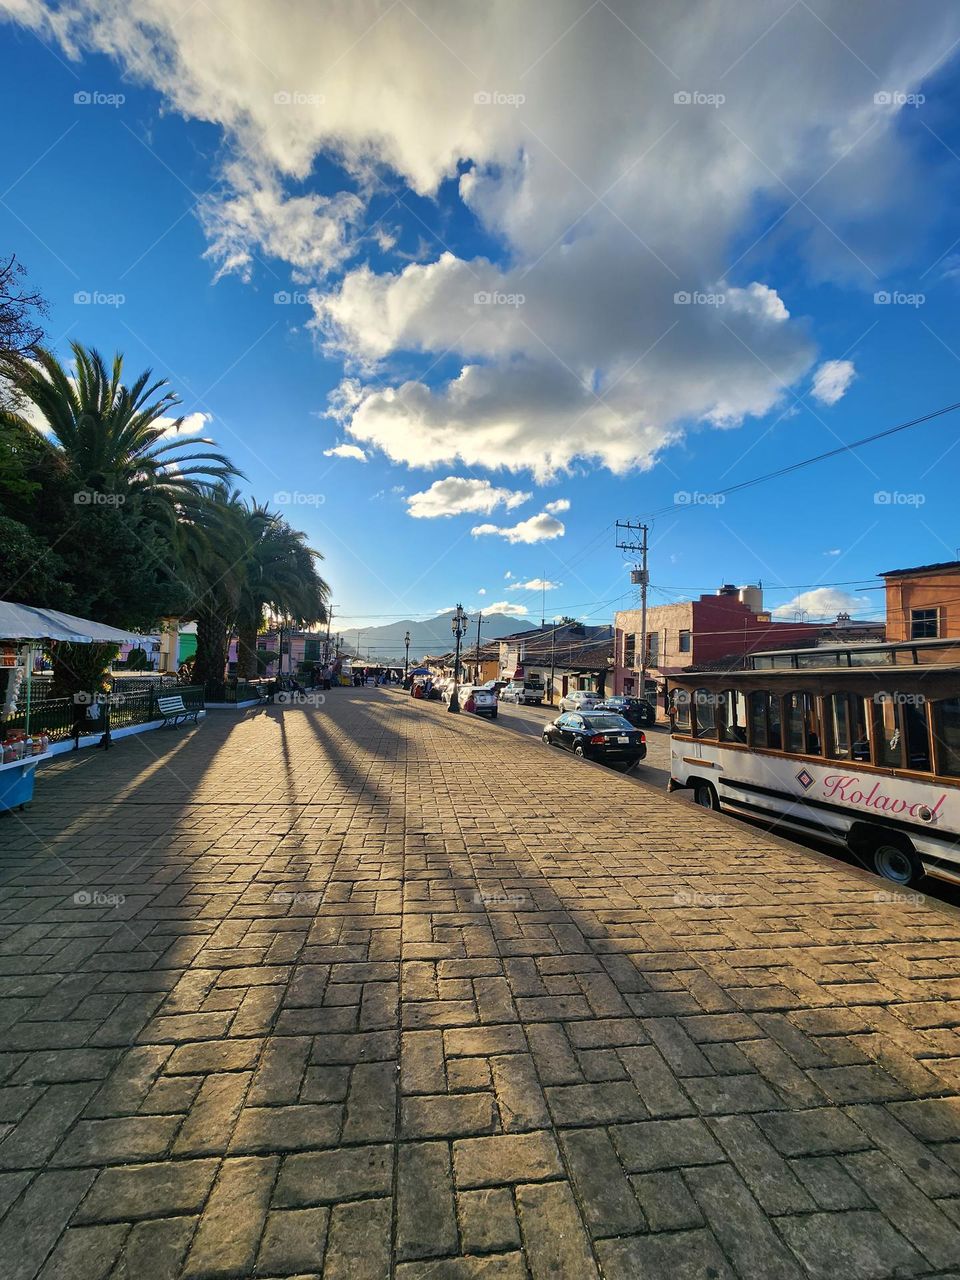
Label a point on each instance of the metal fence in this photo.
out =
(57, 716)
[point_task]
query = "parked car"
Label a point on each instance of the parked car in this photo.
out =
(478, 699)
(597, 735)
(578, 700)
(638, 711)
(528, 692)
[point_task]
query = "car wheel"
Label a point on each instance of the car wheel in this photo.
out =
(895, 861)
(578, 751)
(545, 739)
(705, 795)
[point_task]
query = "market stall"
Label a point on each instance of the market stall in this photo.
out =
(23, 631)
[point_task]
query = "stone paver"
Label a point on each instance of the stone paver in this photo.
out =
(370, 990)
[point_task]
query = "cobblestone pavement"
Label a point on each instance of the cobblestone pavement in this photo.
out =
(373, 990)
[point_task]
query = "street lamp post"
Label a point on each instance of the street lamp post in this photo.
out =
(459, 624)
(406, 660)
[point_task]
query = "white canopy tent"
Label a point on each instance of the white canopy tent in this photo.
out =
(26, 626)
(20, 622)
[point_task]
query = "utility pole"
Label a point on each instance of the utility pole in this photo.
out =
(642, 577)
(479, 619)
(553, 660)
(326, 643)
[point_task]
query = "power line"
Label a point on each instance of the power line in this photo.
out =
(820, 457)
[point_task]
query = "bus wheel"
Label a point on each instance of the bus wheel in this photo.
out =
(705, 795)
(896, 862)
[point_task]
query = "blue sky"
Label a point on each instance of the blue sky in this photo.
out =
(492, 290)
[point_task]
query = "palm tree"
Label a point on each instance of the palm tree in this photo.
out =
(280, 575)
(107, 437)
(242, 559)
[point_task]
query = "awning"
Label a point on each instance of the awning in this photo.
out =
(24, 622)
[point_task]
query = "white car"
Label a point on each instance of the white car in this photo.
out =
(483, 701)
(529, 692)
(578, 700)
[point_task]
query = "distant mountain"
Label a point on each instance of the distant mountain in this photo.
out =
(431, 636)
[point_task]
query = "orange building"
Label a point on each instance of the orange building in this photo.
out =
(923, 603)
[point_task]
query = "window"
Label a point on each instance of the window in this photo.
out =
(684, 646)
(680, 703)
(946, 725)
(630, 651)
(803, 729)
(836, 723)
(703, 714)
(773, 723)
(653, 649)
(915, 728)
(733, 717)
(758, 719)
(859, 719)
(924, 624)
(889, 733)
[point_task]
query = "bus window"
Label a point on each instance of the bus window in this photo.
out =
(889, 733)
(946, 728)
(703, 714)
(859, 738)
(915, 727)
(794, 726)
(680, 703)
(803, 732)
(733, 717)
(758, 719)
(811, 725)
(775, 737)
(836, 715)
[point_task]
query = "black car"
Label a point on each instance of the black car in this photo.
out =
(638, 711)
(597, 735)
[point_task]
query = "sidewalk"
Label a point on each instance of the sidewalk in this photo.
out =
(372, 990)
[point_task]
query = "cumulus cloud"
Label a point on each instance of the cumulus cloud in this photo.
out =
(192, 425)
(555, 508)
(831, 380)
(346, 451)
(457, 494)
(507, 607)
(536, 584)
(539, 528)
(481, 591)
(614, 206)
(821, 604)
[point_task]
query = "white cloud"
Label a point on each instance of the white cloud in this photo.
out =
(835, 552)
(823, 603)
(457, 494)
(539, 528)
(597, 361)
(508, 575)
(346, 451)
(192, 425)
(311, 233)
(507, 607)
(555, 508)
(481, 591)
(831, 381)
(536, 584)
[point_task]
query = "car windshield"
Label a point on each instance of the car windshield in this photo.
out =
(608, 722)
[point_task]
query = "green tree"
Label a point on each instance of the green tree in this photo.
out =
(247, 559)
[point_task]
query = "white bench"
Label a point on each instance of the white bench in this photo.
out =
(173, 711)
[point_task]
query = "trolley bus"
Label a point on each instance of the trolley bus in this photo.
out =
(856, 745)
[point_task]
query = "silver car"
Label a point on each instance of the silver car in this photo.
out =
(579, 700)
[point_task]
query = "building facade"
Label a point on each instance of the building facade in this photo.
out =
(700, 632)
(923, 603)
(566, 656)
